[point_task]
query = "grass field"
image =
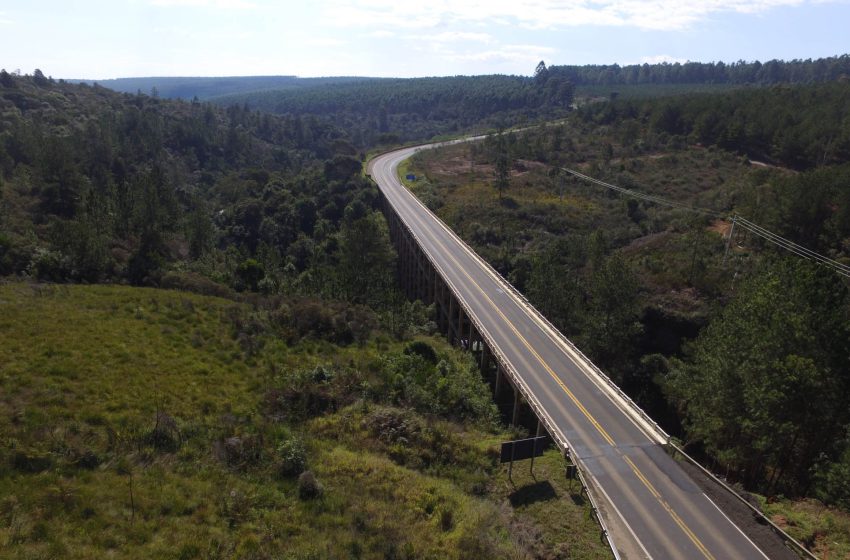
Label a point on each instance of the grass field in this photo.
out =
(141, 423)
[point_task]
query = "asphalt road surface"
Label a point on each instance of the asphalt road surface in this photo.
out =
(652, 507)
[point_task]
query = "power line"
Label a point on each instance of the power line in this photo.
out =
(756, 229)
(642, 196)
(792, 247)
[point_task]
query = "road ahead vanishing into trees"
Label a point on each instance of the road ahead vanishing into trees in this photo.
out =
(650, 506)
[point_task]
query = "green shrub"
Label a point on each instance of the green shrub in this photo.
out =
(309, 487)
(292, 457)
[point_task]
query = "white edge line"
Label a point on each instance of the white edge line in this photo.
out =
(735, 525)
(628, 407)
(529, 395)
(536, 317)
(556, 337)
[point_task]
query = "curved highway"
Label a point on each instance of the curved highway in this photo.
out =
(652, 508)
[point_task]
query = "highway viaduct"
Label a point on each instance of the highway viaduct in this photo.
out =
(647, 506)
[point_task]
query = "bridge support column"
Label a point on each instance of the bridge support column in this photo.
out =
(517, 404)
(418, 291)
(411, 264)
(445, 298)
(423, 277)
(450, 310)
(460, 324)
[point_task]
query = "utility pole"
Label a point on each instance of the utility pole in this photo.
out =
(729, 240)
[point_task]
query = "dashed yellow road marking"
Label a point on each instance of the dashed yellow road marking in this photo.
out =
(678, 520)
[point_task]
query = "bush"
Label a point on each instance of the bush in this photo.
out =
(50, 266)
(292, 457)
(336, 322)
(87, 460)
(308, 393)
(248, 274)
(308, 486)
(423, 350)
(165, 435)
(241, 452)
(834, 482)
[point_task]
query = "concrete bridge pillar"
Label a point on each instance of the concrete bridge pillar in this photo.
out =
(517, 404)
(460, 318)
(450, 311)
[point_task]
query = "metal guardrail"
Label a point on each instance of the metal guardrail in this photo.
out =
(562, 442)
(790, 541)
(662, 436)
(554, 333)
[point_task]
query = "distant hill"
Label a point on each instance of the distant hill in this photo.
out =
(208, 87)
(742, 72)
(394, 110)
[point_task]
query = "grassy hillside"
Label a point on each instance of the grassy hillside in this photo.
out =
(141, 423)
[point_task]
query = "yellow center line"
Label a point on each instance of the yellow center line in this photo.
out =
(679, 521)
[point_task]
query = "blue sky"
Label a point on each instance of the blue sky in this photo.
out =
(122, 38)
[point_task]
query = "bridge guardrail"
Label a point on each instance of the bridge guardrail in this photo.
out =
(659, 434)
(790, 541)
(631, 407)
(562, 442)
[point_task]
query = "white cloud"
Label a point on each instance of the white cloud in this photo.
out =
(458, 36)
(381, 34)
(217, 4)
(661, 58)
(188, 34)
(527, 54)
(321, 42)
(4, 20)
(539, 14)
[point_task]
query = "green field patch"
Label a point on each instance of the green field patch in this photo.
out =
(121, 439)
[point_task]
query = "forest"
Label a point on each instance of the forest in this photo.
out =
(205, 88)
(390, 111)
(742, 72)
(102, 187)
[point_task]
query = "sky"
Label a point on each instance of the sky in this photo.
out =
(131, 38)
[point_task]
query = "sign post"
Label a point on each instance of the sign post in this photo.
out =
(520, 449)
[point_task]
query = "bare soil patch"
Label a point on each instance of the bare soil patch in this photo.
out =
(720, 226)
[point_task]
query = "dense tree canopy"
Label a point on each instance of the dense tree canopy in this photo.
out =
(100, 186)
(797, 126)
(765, 391)
(393, 110)
(741, 72)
